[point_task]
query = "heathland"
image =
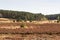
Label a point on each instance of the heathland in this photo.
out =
(20, 25)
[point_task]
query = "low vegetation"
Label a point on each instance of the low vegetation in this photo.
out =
(30, 30)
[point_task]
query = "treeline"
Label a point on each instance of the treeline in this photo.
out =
(21, 15)
(53, 17)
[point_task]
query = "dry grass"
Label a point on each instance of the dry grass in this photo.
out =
(29, 37)
(12, 31)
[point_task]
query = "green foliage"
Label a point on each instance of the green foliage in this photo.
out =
(23, 25)
(21, 15)
(58, 18)
(53, 17)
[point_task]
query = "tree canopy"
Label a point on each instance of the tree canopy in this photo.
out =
(21, 15)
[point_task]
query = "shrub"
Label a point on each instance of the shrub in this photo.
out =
(22, 25)
(50, 33)
(57, 21)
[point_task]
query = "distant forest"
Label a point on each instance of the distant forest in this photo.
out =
(22, 15)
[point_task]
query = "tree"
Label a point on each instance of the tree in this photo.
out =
(1, 15)
(58, 19)
(21, 15)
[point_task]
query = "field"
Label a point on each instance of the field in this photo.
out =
(31, 31)
(30, 28)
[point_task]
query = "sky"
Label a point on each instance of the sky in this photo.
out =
(45, 7)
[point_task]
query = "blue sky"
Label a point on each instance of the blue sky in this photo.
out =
(34, 6)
